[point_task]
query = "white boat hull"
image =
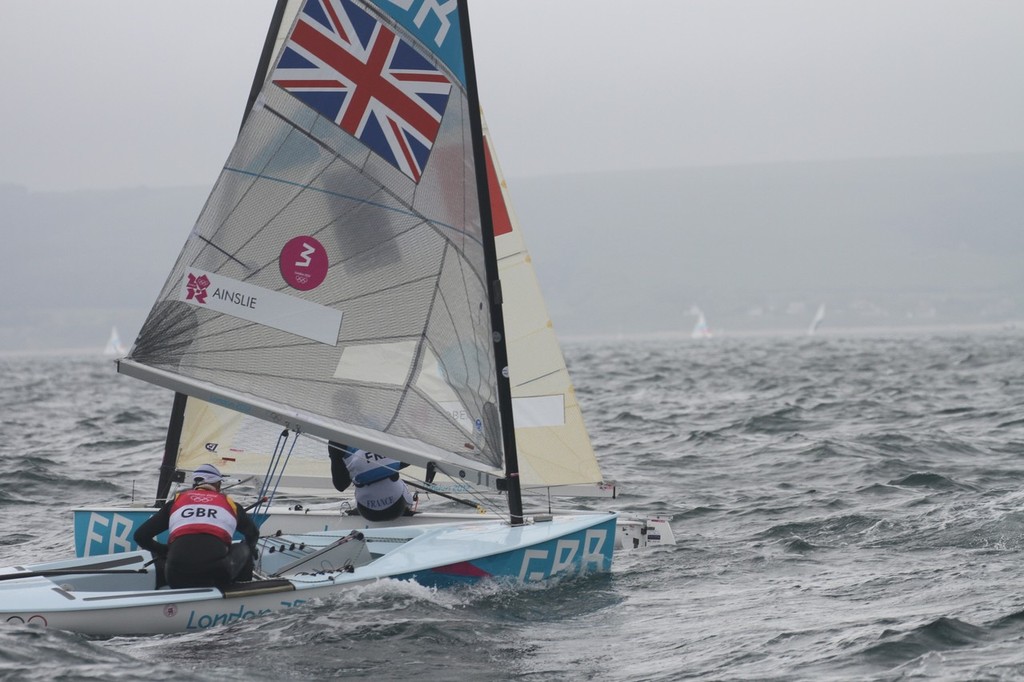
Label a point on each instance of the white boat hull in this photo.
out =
(115, 595)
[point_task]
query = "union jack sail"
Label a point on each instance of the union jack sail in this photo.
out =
(352, 69)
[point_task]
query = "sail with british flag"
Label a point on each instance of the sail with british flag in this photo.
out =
(337, 282)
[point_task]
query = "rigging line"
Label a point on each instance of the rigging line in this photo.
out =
(474, 492)
(431, 490)
(478, 494)
(282, 440)
(226, 254)
(284, 467)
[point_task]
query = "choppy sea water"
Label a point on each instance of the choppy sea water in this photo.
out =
(846, 508)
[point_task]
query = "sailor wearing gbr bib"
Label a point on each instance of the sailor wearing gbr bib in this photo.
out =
(201, 522)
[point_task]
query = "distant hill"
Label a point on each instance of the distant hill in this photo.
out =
(936, 241)
(78, 263)
(932, 241)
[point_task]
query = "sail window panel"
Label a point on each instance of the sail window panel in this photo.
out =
(387, 363)
(433, 384)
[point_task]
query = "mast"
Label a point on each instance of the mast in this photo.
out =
(265, 56)
(170, 461)
(515, 499)
(177, 420)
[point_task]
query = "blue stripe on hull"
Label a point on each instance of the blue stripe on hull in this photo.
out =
(585, 551)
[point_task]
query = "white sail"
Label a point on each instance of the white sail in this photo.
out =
(336, 279)
(114, 347)
(819, 317)
(700, 327)
(551, 437)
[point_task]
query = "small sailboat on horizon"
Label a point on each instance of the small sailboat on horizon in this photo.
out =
(819, 317)
(700, 327)
(115, 348)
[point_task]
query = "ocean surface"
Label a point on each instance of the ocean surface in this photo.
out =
(845, 508)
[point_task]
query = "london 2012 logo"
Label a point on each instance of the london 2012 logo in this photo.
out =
(303, 263)
(197, 288)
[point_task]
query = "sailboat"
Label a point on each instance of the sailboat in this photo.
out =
(819, 317)
(556, 458)
(342, 283)
(114, 347)
(700, 327)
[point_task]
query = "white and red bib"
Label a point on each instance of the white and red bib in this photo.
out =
(203, 511)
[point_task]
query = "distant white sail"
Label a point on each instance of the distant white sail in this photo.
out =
(816, 322)
(115, 348)
(700, 328)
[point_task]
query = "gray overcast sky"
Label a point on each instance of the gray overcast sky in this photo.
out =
(121, 93)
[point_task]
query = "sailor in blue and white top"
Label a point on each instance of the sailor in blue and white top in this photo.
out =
(380, 494)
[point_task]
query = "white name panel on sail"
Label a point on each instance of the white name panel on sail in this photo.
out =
(263, 306)
(538, 411)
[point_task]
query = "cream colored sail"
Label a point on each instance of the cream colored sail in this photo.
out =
(551, 437)
(242, 447)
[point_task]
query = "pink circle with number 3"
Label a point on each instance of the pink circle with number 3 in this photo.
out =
(304, 263)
